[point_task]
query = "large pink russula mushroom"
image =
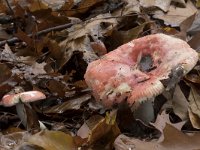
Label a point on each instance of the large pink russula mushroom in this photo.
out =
(134, 71)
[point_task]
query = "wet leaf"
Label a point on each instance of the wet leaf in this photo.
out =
(53, 140)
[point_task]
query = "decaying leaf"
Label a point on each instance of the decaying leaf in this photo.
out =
(180, 103)
(195, 27)
(5, 73)
(127, 36)
(174, 139)
(194, 42)
(71, 104)
(194, 77)
(164, 5)
(95, 128)
(195, 120)
(161, 122)
(131, 7)
(194, 100)
(82, 6)
(176, 15)
(28, 117)
(12, 140)
(53, 140)
(198, 3)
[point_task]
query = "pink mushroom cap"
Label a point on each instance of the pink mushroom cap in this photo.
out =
(119, 75)
(25, 97)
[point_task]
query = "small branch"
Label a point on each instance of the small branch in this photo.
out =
(6, 19)
(56, 28)
(8, 4)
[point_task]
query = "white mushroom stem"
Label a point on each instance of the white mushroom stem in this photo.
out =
(145, 111)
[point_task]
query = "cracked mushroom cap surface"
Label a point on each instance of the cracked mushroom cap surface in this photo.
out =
(133, 72)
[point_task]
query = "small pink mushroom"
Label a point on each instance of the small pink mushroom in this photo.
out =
(134, 71)
(24, 97)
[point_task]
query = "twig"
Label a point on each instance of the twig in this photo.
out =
(56, 28)
(8, 4)
(6, 19)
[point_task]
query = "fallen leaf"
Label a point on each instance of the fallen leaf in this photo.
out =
(81, 44)
(57, 88)
(173, 139)
(82, 6)
(176, 15)
(28, 117)
(7, 54)
(195, 27)
(193, 77)
(71, 104)
(95, 128)
(184, 26)
(24, 37)
(131, 7)
(194, 42)
(5, 73)
(99, 47)
(37, 5)
(198, 3)
(55, 5)
(13, 140)
(161, 122)
(180, 103)
(53, 140)
(195, 120)
(194, 100)
(164, 5)
(37, 68)
(127, 36)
